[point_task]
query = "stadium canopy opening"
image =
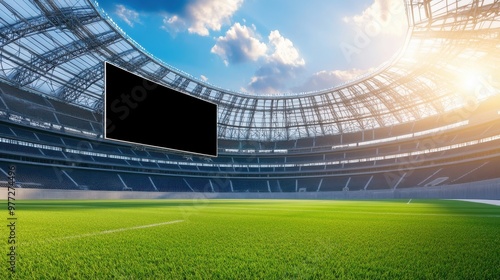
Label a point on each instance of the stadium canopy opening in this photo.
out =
(57, 49)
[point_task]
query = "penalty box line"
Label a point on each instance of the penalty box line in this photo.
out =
(110, 231)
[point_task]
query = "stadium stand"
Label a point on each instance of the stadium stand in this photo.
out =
(432, 133)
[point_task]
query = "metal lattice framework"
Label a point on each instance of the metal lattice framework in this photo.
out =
(57, 48)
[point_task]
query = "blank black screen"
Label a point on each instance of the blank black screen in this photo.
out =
(139, 111)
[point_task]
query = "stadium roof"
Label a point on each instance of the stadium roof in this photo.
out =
(451, 57)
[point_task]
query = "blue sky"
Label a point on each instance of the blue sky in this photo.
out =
(266, 46)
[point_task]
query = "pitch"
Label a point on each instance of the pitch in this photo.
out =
(255, 239)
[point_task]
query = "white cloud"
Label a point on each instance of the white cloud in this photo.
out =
(202, 16)
(204, 78)
(282, 64)
(281, 61)
(128, 15)
(173, 24)
(347, 75)
(239, 44)
(284, 51)
(328, 79)
(211, 14)
(272, 78)
(382, 16)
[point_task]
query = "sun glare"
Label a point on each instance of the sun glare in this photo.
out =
(477, 83)
(472, 80)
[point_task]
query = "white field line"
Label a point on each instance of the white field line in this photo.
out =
(486, 201)
(108, 231)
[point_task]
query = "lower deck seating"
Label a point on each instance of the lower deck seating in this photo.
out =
(54, 177)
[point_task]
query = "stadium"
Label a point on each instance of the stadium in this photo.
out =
(409, 133)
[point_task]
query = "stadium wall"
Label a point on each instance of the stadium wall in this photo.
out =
(489, 189)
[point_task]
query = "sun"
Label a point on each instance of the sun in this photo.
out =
(472, 80)
(477, 82)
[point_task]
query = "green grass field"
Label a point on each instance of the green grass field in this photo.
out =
(253, 239)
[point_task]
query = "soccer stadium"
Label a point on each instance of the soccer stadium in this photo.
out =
(364, 180)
